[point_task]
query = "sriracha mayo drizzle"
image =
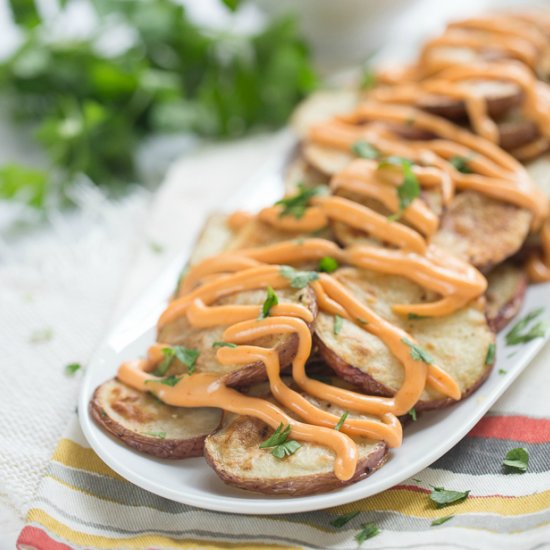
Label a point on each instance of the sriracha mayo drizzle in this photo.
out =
(490, 171)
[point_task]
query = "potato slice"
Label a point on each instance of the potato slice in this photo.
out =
(458, 342)
(234, 453)
(181, 333)
(482, 230)
(505, 294)
(144, 423)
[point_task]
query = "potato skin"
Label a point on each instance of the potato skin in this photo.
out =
(251, 430)
(172, 448)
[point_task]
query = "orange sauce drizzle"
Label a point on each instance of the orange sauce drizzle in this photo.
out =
(493, 172)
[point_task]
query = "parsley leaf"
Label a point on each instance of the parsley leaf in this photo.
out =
(160, 435)
(417, 353)
(269, 302)
(368, 530)
(340, 521)
(524, 331)
(502, 371)
(443, 497)
(279, 441)
(365, 150)
(412, 414)
(409, 189)
(220, 344)
(295, 205)
(341, 421)
(298, 279)
(186, 356)
(517, 460)
(338, 323)
(460, 163)
(41, 335)
(491, 351)
(171, 380)
(328, 264)
(72, 368)
(440, 521)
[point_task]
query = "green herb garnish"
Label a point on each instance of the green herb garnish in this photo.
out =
(409, 189)
(462, 164)
(171, 380)
(340, 521)
(41, 335)
(295, 205)
(417, 353)
(412, 414)
(186, 356)
(517, 460)
(414, 316)
(365, 150)
(443, 497)
(328, 264)
(338, 324)
(440, 521)
(341, 421)
(282, 446)
(221, 344)
(490, 357)
(155, 247)
(502, 371)
(368, 530)
(525, 330)
(269, 302)
(72, 368)
(160, 435)
(298, 279)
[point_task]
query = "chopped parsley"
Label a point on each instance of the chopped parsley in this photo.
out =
(502, 371)
(41, 335)
(340, 521)
(368, 79)
(72, 368)
(160, 435)
(186, 356)
(516, 460)
(440, 521)
(490, 357)
(341, 421)
(412, 414)
(298, 279)
(460, 163)
(368, 530)
(365, 150)
(338, 324)
(282, 446)
(221, 344)
(270, 301)
(328, 264)
(417, 353)
(409, 189)
(443, 497)
(414, 316)
(527, 329)
(295, 205)
(155, 247)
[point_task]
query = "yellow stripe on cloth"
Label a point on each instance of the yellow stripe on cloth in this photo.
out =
(40, 517)
(74, 455)
(417, 503)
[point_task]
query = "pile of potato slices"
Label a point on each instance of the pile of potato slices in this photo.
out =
(302, 338)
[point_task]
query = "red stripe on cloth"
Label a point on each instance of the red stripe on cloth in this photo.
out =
(34, 538)
(517, 428)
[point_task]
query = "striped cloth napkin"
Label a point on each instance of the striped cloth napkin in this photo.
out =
(82, 503)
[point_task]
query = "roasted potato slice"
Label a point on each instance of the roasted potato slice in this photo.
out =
(458, 342)
(181, 333)
(234, 453)
(505, 294)
(482, 230)
(144, 423)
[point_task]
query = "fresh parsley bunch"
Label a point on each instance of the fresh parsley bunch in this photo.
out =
(91, 108)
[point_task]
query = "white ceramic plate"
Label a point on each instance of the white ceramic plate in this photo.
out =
(193, 482)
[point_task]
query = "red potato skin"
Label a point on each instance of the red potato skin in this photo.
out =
(373, 387)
